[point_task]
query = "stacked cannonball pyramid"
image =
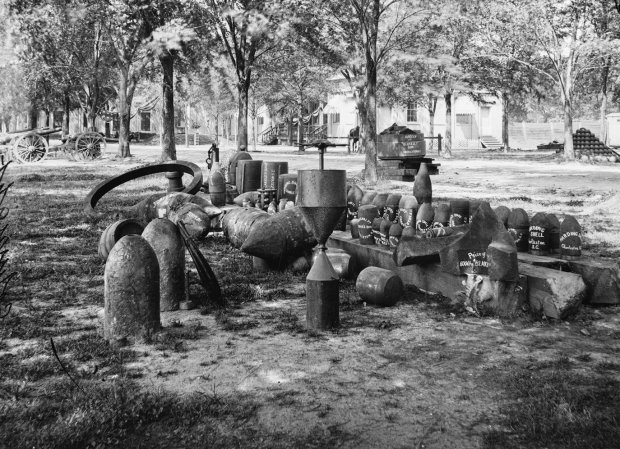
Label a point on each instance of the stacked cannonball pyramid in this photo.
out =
(589, 147)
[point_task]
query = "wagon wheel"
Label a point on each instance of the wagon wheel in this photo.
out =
(90, 145)
(30, 148)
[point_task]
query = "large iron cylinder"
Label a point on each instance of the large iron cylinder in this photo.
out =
(166, 241)
(131, 290)
(248, 175)
(270, 174)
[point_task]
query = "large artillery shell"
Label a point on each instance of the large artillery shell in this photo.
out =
(376, 230)
(165, 239)
(422, 187)
(217, 188)
(540, 236)
(379, 286)
(279, 236)
(442, 216)
(354, 198)
(384, 232)
(391, 207)
(379, 201)
(368, 198)
(396, 231)
(367, 214)
(131, 290)
(355, 233)
(407, 211)
(570, 238)
(424, 218)
(554, 234)
(519, 227)
(459, 212)
(237, 224)
(115, 232)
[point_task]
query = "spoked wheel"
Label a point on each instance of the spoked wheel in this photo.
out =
(30, 148)
(88, 146)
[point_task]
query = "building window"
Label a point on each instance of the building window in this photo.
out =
(145, 121)
(336, 117)
(260, 121)
(412, 112)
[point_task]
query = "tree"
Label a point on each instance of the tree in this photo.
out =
(560, 40)
(247, 29)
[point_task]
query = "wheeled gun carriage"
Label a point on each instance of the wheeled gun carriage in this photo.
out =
(31, 146)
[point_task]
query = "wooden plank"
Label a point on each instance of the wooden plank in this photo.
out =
(553, 293)
(505, 298)
(601, 276)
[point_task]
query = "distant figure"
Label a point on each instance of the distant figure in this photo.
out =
(354, 137)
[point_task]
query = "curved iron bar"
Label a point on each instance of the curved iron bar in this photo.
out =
(107, 185)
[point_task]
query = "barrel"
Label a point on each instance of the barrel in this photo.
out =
(287, 187)
(379, 286)
(366, 215)
(519, 227)
(270, 174)
(217, 188)
(248, 175)
(459, 214)
(232, 165)
(115, 232)
(131, 290)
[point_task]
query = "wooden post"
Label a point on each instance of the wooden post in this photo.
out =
(187, 118)
(439, 144)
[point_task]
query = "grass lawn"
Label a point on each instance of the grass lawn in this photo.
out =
(421, 374)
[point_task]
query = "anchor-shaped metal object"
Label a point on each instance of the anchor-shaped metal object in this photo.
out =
(322, 200)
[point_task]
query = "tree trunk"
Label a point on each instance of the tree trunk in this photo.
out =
(91, 116)
(569, 151)
(505, 138)
(65, 116)
(33, 116)
(447, 142)
(243, 87)
(290, 129)
(300, 129)
(432, 107)
(217, 125)
(124, 112)
(168, 147)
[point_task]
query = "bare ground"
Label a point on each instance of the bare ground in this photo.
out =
(421, 374)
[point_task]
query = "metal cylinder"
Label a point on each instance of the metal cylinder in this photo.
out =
(131, 290)
(175, 181)
(114, 232)
(407, 211)
(379, 286)
(270, 174)
(232, 165)
(322, 198)
(248, 175)
(367, 215)
(166, 241)
(217, 188)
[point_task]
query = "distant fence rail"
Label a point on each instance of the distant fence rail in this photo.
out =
(529, 135)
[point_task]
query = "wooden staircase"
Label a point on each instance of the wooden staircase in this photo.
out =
(490, 143)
